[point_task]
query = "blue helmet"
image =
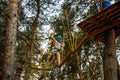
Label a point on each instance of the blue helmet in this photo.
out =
(59, 37)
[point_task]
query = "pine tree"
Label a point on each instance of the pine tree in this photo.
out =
(10, 44)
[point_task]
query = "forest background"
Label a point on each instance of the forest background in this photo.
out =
(37, 20)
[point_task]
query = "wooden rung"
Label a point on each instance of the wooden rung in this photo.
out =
(43, 69)
(104, 28)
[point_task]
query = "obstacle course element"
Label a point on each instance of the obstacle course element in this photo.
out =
(96, 25)
(107, 19)
(43, 69)
(75, 50)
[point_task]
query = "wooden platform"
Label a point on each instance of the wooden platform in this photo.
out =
(97, 24)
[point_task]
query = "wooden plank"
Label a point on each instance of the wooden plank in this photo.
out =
(112, 7)
(104, 28)
(113, 12)
(117, 17)
(43, 69)
(88, 27)
(106, 11)
(100, 37)
(97, 24)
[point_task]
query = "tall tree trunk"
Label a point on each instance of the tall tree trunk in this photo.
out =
(19, 66)
(79, 65)
(110, 65)
(29, 54)
(10, 44)
(109, 58)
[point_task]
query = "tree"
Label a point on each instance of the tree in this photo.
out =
(30, 38)
(3, 22)
(10, 42)
(109, 57)
(32, 15)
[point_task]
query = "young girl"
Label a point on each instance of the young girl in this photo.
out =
(58, 44)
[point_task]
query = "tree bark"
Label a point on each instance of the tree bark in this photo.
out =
(29, 54)
(79, 66)
(10, 42)
(19, 66)
(110, 58)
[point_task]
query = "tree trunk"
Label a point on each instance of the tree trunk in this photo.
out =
(29, 54)
(10, 43)
(79, 65)
(19, 61)
(109, 58)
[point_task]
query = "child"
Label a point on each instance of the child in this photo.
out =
(58, 44)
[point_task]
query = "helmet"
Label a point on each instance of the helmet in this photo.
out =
(59, 37)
